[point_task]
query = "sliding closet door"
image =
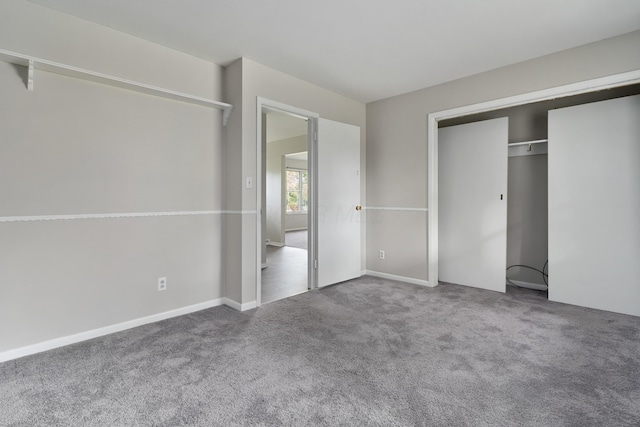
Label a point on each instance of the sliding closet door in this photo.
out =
(594, 205)
(472, 211)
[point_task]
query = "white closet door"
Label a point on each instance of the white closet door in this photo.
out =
(339, 257)
(594, 205)
(472, 211)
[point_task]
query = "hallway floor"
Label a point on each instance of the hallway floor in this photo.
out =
(286, 274)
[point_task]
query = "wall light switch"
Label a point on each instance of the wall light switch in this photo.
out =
(249, 182)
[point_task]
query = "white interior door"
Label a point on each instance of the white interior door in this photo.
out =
(472, 190)
(594, 205)
(339, 256)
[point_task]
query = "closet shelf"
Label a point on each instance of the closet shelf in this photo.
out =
(537, 141)
(527, 148)
(33, 63)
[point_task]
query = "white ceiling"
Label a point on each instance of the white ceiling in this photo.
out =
(282, 126)
(365, 49)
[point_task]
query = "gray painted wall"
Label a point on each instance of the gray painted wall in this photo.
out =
(75, 147)
(396, 156)
(527, 216)
(233, 184)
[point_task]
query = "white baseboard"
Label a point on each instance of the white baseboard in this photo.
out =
(398, 278)
(95, 333)
(237, 306)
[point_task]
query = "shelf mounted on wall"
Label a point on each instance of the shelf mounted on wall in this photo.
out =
(33, 63)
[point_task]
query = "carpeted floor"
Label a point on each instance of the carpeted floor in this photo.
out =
(365, 352)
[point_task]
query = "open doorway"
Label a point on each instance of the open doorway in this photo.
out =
(332, 209)
(286, 206)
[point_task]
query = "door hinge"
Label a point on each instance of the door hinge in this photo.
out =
(315, 136)
(315, 264)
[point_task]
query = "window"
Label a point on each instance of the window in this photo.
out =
(297, 191)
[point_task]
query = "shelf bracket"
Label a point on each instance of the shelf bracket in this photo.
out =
(226, 113)
(30, 74)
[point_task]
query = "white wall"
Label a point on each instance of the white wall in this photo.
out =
(396, 155)
(276, 184)
(295, 221)
(75, 147)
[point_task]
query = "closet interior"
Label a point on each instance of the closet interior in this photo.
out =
(527, 193)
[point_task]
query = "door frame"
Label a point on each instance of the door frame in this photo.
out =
(592, 85)
(312, 129)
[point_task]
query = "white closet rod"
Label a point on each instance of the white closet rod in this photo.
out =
(68, 70)
(537, 141)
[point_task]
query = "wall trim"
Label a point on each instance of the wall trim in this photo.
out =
(247, 212)
(372, 208)
(106, 330)
(117, 215)
(411, 280)
(237, 306)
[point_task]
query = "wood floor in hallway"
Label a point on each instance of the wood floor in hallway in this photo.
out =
(286, 274)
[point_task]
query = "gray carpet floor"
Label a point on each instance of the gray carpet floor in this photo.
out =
(365, 352)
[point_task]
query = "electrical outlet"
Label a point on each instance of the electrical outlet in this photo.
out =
(381, 254)
(162, 284)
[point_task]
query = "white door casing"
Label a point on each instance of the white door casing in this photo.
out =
(263, 105)
(338, 187)
(472, 189)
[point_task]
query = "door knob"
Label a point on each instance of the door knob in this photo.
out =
(358, 208)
